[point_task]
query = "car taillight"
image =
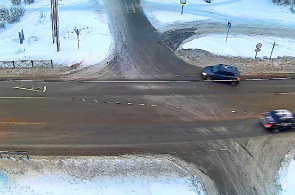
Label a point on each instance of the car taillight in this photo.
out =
(268, 125)
(239, 78)
(263, 115)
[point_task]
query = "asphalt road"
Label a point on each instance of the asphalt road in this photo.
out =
(71, 113)
(186, 119)
(139, 52)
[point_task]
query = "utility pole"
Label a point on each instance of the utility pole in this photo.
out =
(55, 23)
(52, 21)
(57, 26)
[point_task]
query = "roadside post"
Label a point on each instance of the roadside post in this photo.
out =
(182, 3)
(274, 44)
(21, 37)
(258, 48)
(78, 33)
(229, 26)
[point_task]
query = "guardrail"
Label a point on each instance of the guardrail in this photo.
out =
(27, 64)
(15, 154)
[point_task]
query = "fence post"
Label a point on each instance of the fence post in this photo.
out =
(13, 64)
(32, 63)
(51, 64)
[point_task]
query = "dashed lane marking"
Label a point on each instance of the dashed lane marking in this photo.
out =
(22, 97)
(31, 89)
(22, 123)
(44, 89)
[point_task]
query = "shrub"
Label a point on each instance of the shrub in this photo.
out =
(29, 1)
(4, 13)
(2, 23)
(288, 2)
(15, 2)
(15, 13)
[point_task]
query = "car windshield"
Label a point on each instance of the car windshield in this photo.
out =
(215, 68)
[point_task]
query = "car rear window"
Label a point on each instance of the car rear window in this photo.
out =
(275, 116)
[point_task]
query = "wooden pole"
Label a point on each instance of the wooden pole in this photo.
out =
(182, 9)
(274, 43)
(78, 41)
(57, 26)
(52, 21)
(227, 34)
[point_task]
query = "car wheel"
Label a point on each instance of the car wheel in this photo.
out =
(234, 83)
(209, 78)
(275, 130)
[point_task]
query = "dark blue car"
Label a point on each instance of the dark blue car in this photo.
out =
(222, 72)
(277, 120)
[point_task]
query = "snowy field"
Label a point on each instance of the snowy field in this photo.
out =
(243, 45)
(165, 14)
(242, 9)
(287, 178)
(96, 42)
(98, 175)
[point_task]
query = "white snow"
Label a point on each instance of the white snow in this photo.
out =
(170, 17)
(95, 37)
(98, 175)
(165, 15)
(262, 9)
(287, 179)
(243, 45)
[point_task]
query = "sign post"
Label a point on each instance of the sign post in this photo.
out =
(229, 26)
(274, 43)
(182, 3)
(258, 48)
(78, 33)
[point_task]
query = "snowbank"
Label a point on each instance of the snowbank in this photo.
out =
(286, 175)
(242, 45)
(170, 17)
(98, 175)
(95, 37)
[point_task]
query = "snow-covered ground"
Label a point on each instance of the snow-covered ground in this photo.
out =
(171, 17)
(243, 45)
(99, 175)
(264, 10)
(165, 14)
(286, 176)
(96, 42)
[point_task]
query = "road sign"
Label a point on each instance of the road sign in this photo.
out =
(183, 2)
(259, 45)
(229, 25)
(258, 48)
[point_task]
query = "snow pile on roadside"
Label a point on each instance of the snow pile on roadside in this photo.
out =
(98, 175)
(95, 37)
(170, 17)
(242, 45)
(286, 176)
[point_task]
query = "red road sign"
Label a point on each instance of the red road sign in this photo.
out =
(258, 46)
